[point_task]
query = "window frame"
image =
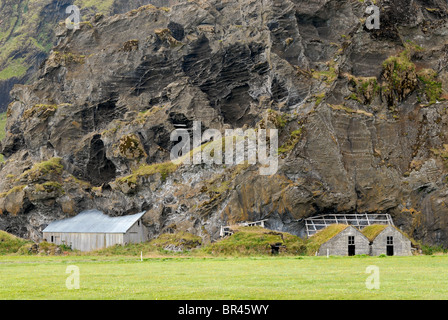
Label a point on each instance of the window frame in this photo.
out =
(390, 240)
(351, 240)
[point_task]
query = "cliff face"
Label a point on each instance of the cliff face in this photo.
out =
(27, 34)
(361, 116)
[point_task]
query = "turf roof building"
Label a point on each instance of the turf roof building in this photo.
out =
(388, 240)
(344, 240)
(92, 229)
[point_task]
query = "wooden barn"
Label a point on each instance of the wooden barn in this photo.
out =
(388, 240)
(92, 229)
(341, 240)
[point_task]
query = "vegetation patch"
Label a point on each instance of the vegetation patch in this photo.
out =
(244, 278)
(319, 98)
(12, 190)
(45, 169)
(432, 89)
(179, 241)
(349, 110)
(131, 147)
(15, 69)
(165, 169)
(329, 75)
(67, 58)
(442, 153)
(431, 250)
(372, 231)
(165, 35)
(294, 138)
(142, 8)
(10, 243)
(400, 75)
(102, 6)
(280, 120)
(130, 45)
(323, 236)
(40, 110)
(50, 187)
(250, 241)
(43, 248)
(143, 116)
(365, 89)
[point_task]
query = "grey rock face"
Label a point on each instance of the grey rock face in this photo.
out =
(360, 113)
(28, 34)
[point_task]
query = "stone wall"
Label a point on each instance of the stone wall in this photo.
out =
(338, 245)
(402, 245)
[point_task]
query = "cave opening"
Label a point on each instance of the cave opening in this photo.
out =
(100, 170)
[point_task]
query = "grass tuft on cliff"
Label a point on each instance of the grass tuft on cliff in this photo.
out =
(52, 166)
(165, 169)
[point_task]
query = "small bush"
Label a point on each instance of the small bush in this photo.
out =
(430, 250)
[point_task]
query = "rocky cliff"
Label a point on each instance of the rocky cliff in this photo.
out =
(27, 33)
(361, 115)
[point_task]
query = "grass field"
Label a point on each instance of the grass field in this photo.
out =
(101, 277)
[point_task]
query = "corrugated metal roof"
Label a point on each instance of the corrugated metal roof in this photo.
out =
(94, 221)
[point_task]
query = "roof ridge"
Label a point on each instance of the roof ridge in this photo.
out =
(94, 221)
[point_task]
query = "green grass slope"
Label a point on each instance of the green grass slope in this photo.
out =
(10, 244)
(252, 241)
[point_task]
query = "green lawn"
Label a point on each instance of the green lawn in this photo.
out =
(36, 277)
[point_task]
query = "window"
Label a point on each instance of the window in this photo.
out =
(351, 246)
(52, 239)
(390, 240)
(138, 223)
(351, 240)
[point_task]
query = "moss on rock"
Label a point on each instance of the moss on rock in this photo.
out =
(130, 147)
(45, 170)
(431, 88)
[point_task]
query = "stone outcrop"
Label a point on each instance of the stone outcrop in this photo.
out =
(27, 33)
(362, 128)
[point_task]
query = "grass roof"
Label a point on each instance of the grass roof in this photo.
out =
(372, 231)
(255, 240)
(324, 235)
(329, 232)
